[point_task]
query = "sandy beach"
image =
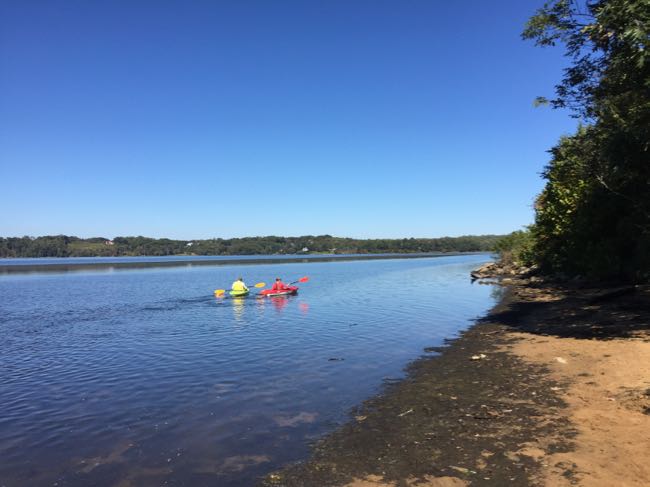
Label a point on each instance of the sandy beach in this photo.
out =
(551, 388)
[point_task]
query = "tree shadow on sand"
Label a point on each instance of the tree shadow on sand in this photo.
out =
(585, 313)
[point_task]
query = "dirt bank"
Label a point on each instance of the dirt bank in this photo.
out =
(552, 388)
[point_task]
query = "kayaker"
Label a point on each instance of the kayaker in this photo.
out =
(279, 285)
(239, 285)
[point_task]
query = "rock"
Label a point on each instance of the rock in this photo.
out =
(486, 270)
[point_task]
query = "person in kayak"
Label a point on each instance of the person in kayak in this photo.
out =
(239, 285)
(279, 285)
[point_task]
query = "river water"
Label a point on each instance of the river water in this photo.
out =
(141, 377)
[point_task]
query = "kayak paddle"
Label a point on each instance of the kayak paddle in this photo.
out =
(221, 292)
(302, 279)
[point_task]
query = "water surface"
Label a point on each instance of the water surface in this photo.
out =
(142, 377)
(109, 264)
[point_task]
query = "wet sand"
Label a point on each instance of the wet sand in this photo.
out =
(551, 388)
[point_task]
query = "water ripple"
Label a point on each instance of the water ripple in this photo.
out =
(146, 377)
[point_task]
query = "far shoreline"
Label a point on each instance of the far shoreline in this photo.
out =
(198, 260)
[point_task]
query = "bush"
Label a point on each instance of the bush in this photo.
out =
(516, 248)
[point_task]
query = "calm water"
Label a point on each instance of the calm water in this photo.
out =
(76, 264)
(143, 377)
(169, 258)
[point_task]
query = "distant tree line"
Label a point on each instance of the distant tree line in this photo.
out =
(65, 246)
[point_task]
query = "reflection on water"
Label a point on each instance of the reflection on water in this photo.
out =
(497, 292)
(112, 264)
(279, 302)
(144, 378)
(239, 304)
(238, 308)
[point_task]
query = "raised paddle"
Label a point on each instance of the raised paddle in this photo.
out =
(221, 292)
(302, 279)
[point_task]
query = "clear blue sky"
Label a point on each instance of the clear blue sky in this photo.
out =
(200, 119)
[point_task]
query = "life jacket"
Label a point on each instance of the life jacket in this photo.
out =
(239, 286)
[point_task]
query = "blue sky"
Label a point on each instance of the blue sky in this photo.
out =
(200, 119)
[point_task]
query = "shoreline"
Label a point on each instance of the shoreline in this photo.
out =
(552, 387)
(203, 261)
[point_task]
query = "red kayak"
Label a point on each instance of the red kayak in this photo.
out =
(288, 291)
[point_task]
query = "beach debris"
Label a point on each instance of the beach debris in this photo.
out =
(560, 360)
(479, 356)
(274, 477)
(360, 418)
(405, 413)
(464, 470)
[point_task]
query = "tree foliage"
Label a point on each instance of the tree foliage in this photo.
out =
(609, 44)
(593, 216)
(64, 246)
(516, 248)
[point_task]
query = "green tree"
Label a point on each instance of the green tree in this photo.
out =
(593, 216)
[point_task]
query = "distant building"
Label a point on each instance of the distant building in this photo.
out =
(109, 242)
(305, 249)
(189, 244)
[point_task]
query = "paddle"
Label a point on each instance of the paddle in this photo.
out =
(302, 279)
(221, 292)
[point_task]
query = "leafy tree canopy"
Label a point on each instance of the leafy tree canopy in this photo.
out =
(593, 216)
